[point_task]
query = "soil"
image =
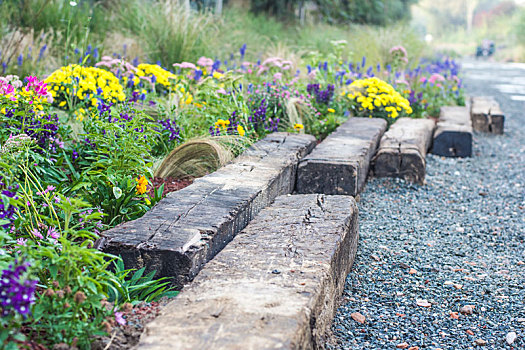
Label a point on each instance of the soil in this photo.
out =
(127, 336)
(170, 184)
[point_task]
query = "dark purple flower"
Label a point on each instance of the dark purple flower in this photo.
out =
(243, 50)
(16, 293)
(216, 65)
(170, 128)
(321, 96)
(41, 128)
(7, 211)
(197, 74)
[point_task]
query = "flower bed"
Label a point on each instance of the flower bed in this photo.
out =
(79, 152)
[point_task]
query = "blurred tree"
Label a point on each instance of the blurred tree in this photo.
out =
(379, 12)
(283, 9)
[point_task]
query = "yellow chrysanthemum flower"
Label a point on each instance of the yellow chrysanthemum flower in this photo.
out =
(240, 130)
(376, 95)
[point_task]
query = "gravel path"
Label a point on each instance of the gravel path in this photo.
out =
(457, 241)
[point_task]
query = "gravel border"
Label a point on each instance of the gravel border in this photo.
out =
(426, 253)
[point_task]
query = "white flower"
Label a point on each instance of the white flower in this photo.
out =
(73, 3)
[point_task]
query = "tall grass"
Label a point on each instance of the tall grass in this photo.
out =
(167, 30)
(57, 15)
(266, 36)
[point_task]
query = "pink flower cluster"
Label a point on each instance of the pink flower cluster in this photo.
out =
(10, 83)
(205, 62)
(116, 65)
(400, 52)
(38, 86)
(184, 65)
(8, 86)
(433, 79)
(273, 62)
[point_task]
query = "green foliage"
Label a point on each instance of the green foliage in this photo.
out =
(59, 210)
(134, 286)
(58, 236)
(121, 154)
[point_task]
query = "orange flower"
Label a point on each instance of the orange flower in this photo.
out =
(142, 184)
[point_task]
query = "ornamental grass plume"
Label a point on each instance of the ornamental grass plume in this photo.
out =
(196, 158)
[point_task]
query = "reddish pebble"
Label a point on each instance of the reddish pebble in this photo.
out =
(402, 346)
(358, 317)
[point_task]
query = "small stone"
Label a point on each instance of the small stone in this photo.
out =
(276, 272)
(480, 342)
(412, 271)
(403, 265)
(447, 283)
(520, 263)
(413, 348)
(423, 303)
(466, 310)
(511, 337)
(469, 332)
(460, 229)
(454, 315)
(458, 286)
(402, 345)
(358, 317)
(375, 257)
(520, 320)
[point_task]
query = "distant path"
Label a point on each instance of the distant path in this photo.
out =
(459, 240)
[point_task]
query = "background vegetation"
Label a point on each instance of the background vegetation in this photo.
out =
(36, 36)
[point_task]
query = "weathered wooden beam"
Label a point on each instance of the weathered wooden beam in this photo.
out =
(486, 115)
(340, 164)
(453, 136)
(403, 148)
(188, 227)
(275, 286)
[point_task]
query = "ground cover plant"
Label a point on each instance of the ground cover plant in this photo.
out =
(82, 141)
